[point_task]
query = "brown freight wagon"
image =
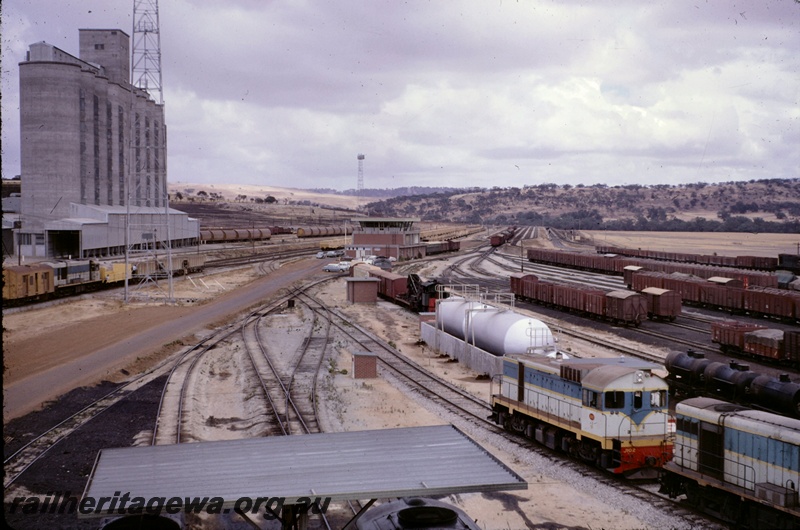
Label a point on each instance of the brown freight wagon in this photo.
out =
(791, 347)
(529, 287)
(688, 288)
(643, 280)
(662, 303)
(561, 296)
(391, 285)
(719, 296)
(626, 307)
(729, 334)
(628, 273)
(596, 302)
(771, 302)
(544, 292)
(522, 284)
(766, 343)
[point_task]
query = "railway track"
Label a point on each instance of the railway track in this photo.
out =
(475, 410)
(287, 386)
(442, 392)
(578, 277)
(37, 447)
(438, 391)
(502, 285)
(288, 391)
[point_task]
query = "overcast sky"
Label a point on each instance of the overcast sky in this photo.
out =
(455, 93)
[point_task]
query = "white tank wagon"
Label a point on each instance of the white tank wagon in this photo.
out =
(479, 335)
(453, 314)
(504, 332)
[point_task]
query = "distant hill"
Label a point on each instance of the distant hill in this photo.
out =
(761, 206)
(755, 206)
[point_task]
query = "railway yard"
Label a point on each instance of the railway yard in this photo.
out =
(281, 364)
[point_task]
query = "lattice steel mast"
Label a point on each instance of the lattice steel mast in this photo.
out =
(146, 60)
(146, 76)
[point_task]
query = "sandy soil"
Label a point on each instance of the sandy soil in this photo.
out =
(723, 244)
(30, 337)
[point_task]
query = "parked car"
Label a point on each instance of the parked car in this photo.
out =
(320, 254)
(345, 265)
(333, 267)
(330, 254)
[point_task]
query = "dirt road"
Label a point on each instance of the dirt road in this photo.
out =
(43, 367)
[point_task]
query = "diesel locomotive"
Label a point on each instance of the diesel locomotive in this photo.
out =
(609, 412)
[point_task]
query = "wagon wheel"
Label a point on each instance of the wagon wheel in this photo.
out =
(693, 496)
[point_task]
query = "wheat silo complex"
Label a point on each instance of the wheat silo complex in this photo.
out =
(86, 133)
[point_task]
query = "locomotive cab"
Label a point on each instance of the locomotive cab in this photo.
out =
(625, 410)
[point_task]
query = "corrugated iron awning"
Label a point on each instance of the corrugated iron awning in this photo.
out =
(413, 461)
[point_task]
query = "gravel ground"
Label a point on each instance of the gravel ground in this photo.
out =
(68, 464)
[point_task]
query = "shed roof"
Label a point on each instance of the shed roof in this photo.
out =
(361, 465)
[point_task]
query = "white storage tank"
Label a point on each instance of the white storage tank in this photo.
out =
(452, 314)
(502, 332)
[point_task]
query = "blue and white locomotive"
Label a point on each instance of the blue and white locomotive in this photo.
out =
(739, 464)
(610, 412)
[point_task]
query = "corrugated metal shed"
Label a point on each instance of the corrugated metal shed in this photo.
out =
(413, 461)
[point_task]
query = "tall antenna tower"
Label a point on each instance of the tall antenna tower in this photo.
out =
(146, 61)
(146, 171)
(360, 185)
